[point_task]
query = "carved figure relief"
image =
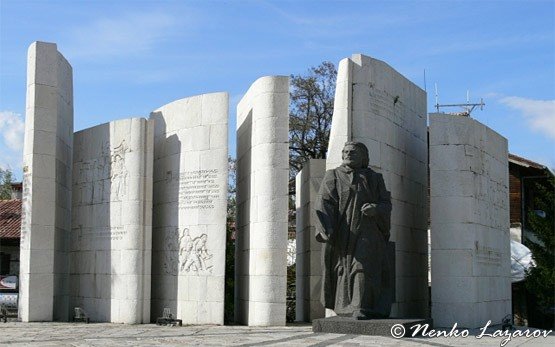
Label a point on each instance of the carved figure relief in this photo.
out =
(109, 166)
(194, 254)
(118, 174)
(186, 253)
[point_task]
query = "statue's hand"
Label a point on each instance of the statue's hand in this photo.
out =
(321, 237)
(369, 210)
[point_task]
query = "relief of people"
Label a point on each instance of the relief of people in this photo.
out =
(194, 253)
(104, 177)
(119, 172)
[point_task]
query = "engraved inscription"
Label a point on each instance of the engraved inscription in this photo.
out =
(383, 104)
(26, 205)
(114, 233)
(487, 255)
(199, 189)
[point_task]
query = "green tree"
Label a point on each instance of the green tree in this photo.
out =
(230, 243)
(6, 180)
(540, 280)
(310, 113)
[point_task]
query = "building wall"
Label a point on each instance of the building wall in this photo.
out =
(10, 247)
(515, 194)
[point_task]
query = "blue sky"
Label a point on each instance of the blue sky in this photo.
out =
(130, 57)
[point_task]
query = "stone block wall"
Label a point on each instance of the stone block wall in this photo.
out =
(469, 223)
(262, 203)
(190, 205)
(111, 238)
(378, 106)
(46, 207)
(309, 259)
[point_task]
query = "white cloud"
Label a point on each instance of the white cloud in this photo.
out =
(12, 129)
(122, 35)
(540, 114)
(12, 162)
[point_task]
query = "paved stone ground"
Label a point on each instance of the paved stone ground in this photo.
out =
(105, 334)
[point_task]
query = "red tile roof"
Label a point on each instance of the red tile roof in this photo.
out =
(10, 219)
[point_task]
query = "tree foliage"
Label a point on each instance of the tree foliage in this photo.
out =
(311, 110)
(310, 114)
(229, 306)
(231, 190)
(6, 180)
(540, 280)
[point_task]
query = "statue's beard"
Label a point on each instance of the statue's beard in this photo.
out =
(352, 164)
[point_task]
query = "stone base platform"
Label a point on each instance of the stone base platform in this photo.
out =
(377, 327)
(294, 335)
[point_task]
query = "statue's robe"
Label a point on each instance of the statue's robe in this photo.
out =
(355, 263)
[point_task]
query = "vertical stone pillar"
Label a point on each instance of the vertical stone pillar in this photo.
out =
(309, 260)
(376, 105)
(262, 203)
(469, 223)
(46, 208)
(110, 249)
(190, 206)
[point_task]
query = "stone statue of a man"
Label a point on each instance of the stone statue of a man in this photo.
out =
(353, 209)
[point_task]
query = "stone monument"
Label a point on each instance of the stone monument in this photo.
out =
(93, 249)
(190, 199)
(358, 261)
(46, 206)
(262, 203)
(309, 251)
(470, 237)
(354, 209)
(111, 238)
(376, 105)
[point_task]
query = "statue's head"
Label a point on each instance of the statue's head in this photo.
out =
(355, 155)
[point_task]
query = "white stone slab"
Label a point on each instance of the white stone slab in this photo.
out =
(378, 106)
(470, 238)
(189, 211)
(46, 208)
(262, 200)
(111, 262)
(309, 270)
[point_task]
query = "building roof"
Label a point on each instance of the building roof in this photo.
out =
(515, 159)
(10, 219)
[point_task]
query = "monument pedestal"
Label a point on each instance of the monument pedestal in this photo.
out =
(376, 327)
